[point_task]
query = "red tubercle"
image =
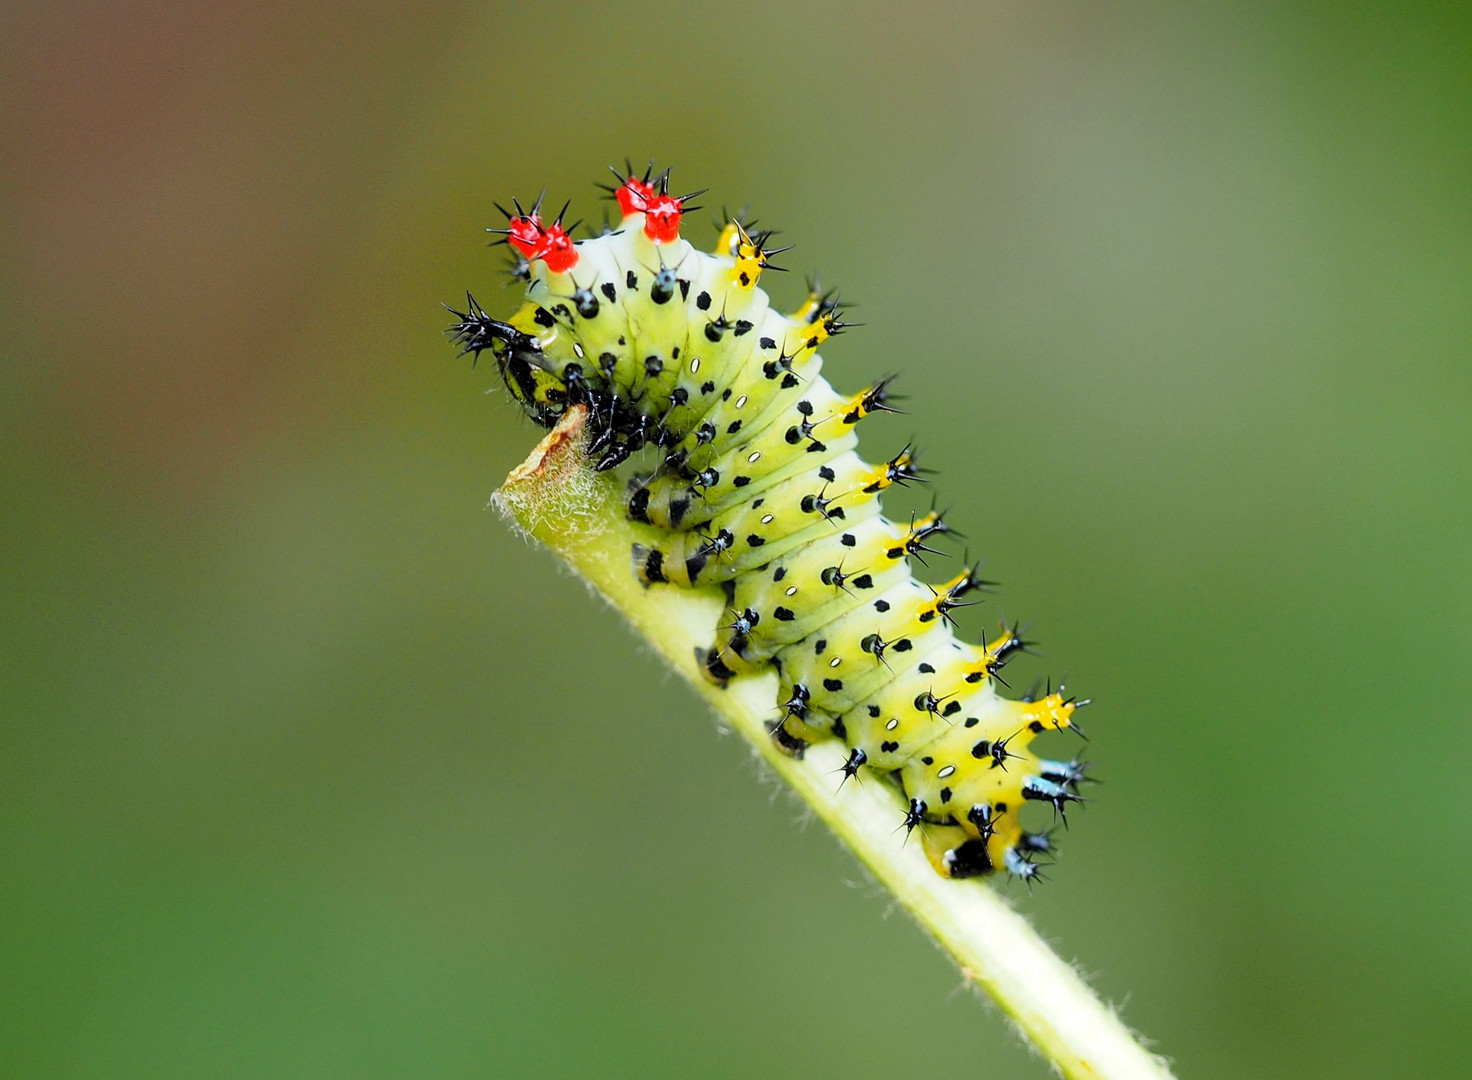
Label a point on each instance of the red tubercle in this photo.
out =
(651, 198)
(559, 252)
(550, 243)
(525, 235)
(634, 196)
(662, 219)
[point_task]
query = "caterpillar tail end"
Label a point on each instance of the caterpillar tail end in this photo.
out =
(955, 853)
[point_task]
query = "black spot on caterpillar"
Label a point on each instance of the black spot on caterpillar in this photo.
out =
(864, 651)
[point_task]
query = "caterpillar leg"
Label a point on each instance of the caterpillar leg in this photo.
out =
(784, 740)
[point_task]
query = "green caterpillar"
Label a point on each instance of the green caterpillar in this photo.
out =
(757, 487)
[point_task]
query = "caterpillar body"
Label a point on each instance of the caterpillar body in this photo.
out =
(757, 487)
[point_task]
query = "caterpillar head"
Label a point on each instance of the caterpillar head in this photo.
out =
(537, 389)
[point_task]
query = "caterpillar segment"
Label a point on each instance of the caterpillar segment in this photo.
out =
(757, 486)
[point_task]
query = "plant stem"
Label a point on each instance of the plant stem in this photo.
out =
(555, 497)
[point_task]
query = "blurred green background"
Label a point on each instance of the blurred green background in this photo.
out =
(1181, 299)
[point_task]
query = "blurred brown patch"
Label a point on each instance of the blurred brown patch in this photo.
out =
(184, 179)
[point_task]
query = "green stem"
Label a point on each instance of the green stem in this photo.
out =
(577, 513)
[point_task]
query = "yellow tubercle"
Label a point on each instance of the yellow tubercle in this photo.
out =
(936, 607)
(922, 526)
(866, 402)
(811, 308)
(896, 470)
(805, 338)
(750, 259)
(988, 657)
(726, 243)
(1053, 711)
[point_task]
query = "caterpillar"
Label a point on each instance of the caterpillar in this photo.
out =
(755, 484)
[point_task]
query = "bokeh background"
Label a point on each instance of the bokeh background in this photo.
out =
(1181, 299)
